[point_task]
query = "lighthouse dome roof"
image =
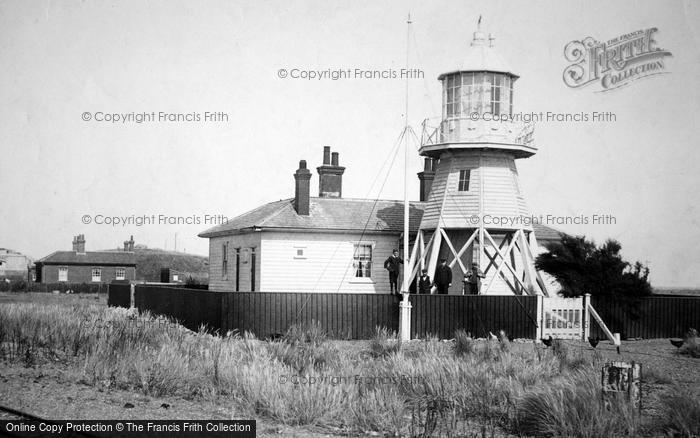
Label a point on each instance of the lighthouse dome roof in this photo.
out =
(481, 56)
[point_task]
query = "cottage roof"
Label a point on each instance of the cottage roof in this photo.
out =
(94, 258)
(337, 214)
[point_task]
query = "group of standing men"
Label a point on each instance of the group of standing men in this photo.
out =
(441, 281)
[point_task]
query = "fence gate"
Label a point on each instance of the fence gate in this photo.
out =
(562, 317)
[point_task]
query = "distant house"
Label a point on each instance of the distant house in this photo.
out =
(13, 264)
(80, 266)
(321, 244)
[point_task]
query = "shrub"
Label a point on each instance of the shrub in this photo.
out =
(573, 407)
(680, 414)
(503, 341)
(691, 346)
(384, 343)
(464, 344)
(311, 334)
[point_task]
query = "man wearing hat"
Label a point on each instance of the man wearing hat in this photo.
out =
(392, 265)
(474, 277)
(424, 283)
(443, 277)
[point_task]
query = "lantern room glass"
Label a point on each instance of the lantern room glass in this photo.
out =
(466, 93)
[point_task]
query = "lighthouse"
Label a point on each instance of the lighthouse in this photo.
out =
(475, 210)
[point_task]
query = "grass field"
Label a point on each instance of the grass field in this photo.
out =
(306, 385)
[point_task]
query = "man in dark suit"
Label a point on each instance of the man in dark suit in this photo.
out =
(424, 283)
(392, 265)
(443, 277)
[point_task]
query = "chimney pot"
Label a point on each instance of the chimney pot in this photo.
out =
(79, 243)
(330, 175)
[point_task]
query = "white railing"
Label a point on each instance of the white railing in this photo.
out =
(467, 130)
(562, 318)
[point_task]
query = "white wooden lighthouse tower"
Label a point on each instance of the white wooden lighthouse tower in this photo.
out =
(476, 211)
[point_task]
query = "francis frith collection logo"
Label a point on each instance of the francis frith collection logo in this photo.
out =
(616, 62)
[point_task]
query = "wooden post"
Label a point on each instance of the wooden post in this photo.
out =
(622, 379)
(586, 317)
(405, 319)
(132, 302)
(540, 317)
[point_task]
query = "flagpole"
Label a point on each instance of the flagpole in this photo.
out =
(405, 304)
(406, 252)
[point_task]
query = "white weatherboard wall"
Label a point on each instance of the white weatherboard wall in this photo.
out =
(219, 282)
(327, 264)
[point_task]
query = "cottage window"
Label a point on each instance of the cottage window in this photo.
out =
(120, 274)
(96, 274)
(62, 273)
(362, 260)
(464, 180)
(224, 260)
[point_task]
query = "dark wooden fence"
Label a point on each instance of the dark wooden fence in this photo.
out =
(343, 316)
(653, 317)
(442, 315)
(119, 295)
(355, 316)
(193, 308)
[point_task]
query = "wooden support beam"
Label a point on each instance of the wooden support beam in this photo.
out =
(503, 258)
(505, 261)
(414, 254)
(600, 322)
(540, 280)
(452, 249)
(424, 253)
(434, 252)
(527, 263)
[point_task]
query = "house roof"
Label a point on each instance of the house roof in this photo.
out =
(545, 233)
(337, 214)
(331, 214)
(110, 258)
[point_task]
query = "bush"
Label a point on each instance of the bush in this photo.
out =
(573, 407)
(384, 343)
(464, 344)
(680, 413)
(691, 345)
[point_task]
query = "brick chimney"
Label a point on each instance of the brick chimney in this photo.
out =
(129, 245)
(426, 178)
(330, 175)
(302, 189)
(79, 243)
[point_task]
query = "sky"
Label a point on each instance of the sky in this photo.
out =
(65, 62)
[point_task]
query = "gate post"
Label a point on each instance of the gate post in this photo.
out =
(540, 317)
(132, 300)
(405, 319)
(586, 316)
